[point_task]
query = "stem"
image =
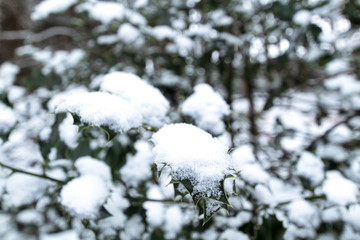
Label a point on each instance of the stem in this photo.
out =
(44, 176)
(311, 146)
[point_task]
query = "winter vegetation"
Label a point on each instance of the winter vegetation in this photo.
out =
(179, 119)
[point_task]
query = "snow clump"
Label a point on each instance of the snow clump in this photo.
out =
(208, 108)
(84, 196)
(47, 7)
(147, 99)
(193, 155)
(101, 109)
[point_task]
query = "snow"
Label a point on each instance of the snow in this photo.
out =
(142, 96)
(84, 196)
(207, 107)
(302, 17)
(22, 189)
(334, 152)
(8, 73)
(337, 66)
(173, 222)
(192, 154)
(65, 235)
(155, 211)
(134, 228)
(233, 234)
(302, 213)
(47, 7)
(310, 167)
(253, 174)
(101, 109)
(68, 132)
(339, 190)
(138, 167)
(162, 32)
(352, 216)
(345, 83)
(220, 18)
(128, 33)
(104, 12)
(90, 166)
(59, 61)
(7, 118)
(30, 216)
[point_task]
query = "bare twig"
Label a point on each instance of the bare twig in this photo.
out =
(328, 131)
(37, 37)
(44, 176)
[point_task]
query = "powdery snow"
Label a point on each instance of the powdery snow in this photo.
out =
(7, 118)
(339, 190)
(145, 98)
(128, 33)
(47, 7)
(68, 132)
(310, 167)
(192, 154)
(8, 73)
(138, 167)
(207, 107)
(302, 213)
(105, 12)
(84, 196)
(65, 235)
(90, 166)
(302, 17)
(23, 189)
(101, 109)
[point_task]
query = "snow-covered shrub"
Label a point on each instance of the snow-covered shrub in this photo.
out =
(181, 120)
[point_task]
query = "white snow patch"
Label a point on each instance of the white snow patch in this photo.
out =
(310, 167)
(233, 234)
(162, 32)
(143, 97)
(173, 222)
(138, 167)
(101, 109)
(128, 33)
(302, 213)
(7, 118)
(65, 235)
(68, 132)
(105, 12)
(90, 166)
(302, 17)
(84, 196)
(207, 107)
(47, 7)
(192, 154)
(339, 190)
(23, 189)
(8, 73)
(347, 84)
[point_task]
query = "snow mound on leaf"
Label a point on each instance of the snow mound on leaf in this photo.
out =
(193, 155)
(101, 109)
(149, 101)
(84, 196)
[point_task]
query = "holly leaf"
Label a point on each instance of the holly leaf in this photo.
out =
(206, 205)
(110, 134)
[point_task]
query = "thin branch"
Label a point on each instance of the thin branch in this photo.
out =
(44, 176)
(37, 37)
(328, 131)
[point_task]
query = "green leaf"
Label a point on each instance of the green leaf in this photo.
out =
(110, 134)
